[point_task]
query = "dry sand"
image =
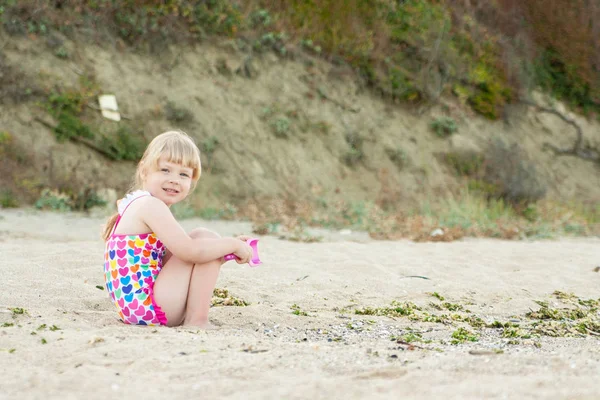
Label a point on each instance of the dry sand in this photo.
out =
(51, 263)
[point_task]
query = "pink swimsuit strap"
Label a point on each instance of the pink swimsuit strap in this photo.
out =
(121, 214)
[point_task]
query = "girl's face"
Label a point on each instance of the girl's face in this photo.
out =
(170, 182)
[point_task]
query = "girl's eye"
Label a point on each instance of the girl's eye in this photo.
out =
(185, 175)
(164, 170)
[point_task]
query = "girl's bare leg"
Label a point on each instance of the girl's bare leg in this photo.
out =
(199, 297)
(184, 291)
(171, 289)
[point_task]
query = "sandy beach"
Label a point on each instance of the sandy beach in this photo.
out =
(300, 337)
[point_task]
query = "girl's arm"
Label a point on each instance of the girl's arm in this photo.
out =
(161, 221)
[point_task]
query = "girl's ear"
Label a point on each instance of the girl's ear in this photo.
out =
(142, 171)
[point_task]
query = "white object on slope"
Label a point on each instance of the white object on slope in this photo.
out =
(109, 108)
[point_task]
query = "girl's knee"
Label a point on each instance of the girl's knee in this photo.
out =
(203, 233)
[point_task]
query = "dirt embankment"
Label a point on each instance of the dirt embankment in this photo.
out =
(267, 126)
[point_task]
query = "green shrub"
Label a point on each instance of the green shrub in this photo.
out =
(209, 145)
(465, 163)
(553, 74)
(310, 46)
(321, 127)
(6, 141)
(136, 22)
(70, 102)
(415, 18)
(271, 41)
(354, 139)
(69, 200)
(398, 156)
(214, 16)
(207, 150)
(355, 154)
(260, 18)
(8, 199)
(530, 213)
(124, 145)
(471, 211)
(353, 157)
(177, 114)
(338, 27)
(61, 52)
(66, 108)
(281, 127)
(85, 199)
(70, 126)
(489, 93)
(444, 126)
(402, 86)
(53, 200)
(479, 186)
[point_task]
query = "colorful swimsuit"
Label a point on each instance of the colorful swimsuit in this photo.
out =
(132, 263)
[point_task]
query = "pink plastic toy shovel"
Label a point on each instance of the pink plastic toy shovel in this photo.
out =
(254, 261)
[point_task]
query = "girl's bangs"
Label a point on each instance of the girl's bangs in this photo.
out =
(182, 152)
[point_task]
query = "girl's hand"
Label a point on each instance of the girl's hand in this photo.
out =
(243, 238)
(243, 253)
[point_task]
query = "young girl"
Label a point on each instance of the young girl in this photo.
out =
(155, 272)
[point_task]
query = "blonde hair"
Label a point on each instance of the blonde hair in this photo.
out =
(176, 147)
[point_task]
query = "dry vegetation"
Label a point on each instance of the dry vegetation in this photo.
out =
(417, 50)
(465, 214)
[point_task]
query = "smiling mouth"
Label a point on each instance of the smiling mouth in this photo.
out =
(171, 191)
